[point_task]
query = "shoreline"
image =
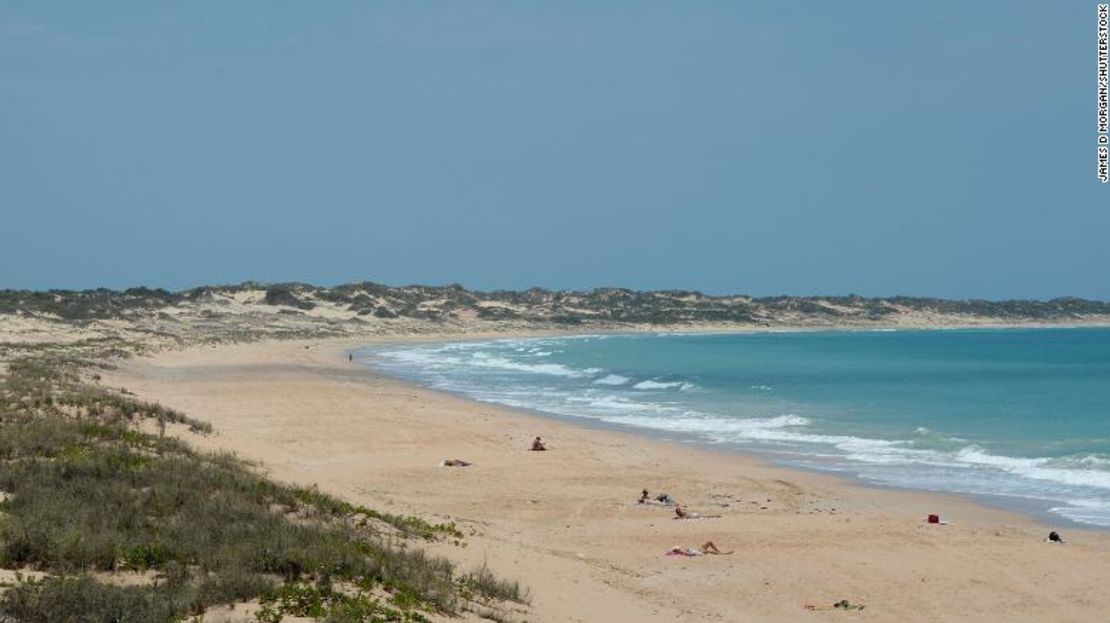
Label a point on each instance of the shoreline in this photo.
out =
(1037, 510)
(385, 423)
(1008, 504)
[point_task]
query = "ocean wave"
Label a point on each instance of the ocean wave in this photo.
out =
(612, 379)
(716, 428)
(603, 405)
(653, 384)
(782, 421)
(486, 360)
(1089, 461)
(420, 357)
(1060, 470)
(1085, 471)
(457, 358)
(1094, 512)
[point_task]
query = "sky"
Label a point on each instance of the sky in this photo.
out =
(880, 148)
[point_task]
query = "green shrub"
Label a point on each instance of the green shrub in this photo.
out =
(83, 600)
(321, 601)
(89, 493)
(284, 295)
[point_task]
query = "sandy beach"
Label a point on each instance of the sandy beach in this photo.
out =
(566, 522)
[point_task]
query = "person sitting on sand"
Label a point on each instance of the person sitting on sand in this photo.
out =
(643, 497)
(537, 445)
(710, 548)
(1054, 537)
(682, 513)
(456, 463)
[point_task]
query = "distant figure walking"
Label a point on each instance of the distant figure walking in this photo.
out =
(538, 445)
(350, 357)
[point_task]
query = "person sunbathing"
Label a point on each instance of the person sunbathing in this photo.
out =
(707, 548)
(662, 498)
(843, 604)
(682, 513)
(456, 463)
(538, 445)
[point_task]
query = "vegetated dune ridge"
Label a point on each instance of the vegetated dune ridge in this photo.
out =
(251, 311)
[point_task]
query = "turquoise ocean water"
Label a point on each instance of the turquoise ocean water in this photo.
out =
(1021, 415)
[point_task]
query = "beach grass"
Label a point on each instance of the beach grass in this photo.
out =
(136, 526)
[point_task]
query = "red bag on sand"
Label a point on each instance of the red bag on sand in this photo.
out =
(934, 518)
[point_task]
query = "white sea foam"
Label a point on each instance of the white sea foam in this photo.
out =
(603, 405)
(612, 379)
(1053, 470)
(420, 358)
(485, 360)
(653, 384)
(1091, 461)
(1095, 512)
(1077, 472)
(715, 428)
(783, 421)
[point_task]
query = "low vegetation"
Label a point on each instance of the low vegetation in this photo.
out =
(369, 301)
(93, 492)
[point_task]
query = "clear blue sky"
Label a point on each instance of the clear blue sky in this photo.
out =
(925, 148)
